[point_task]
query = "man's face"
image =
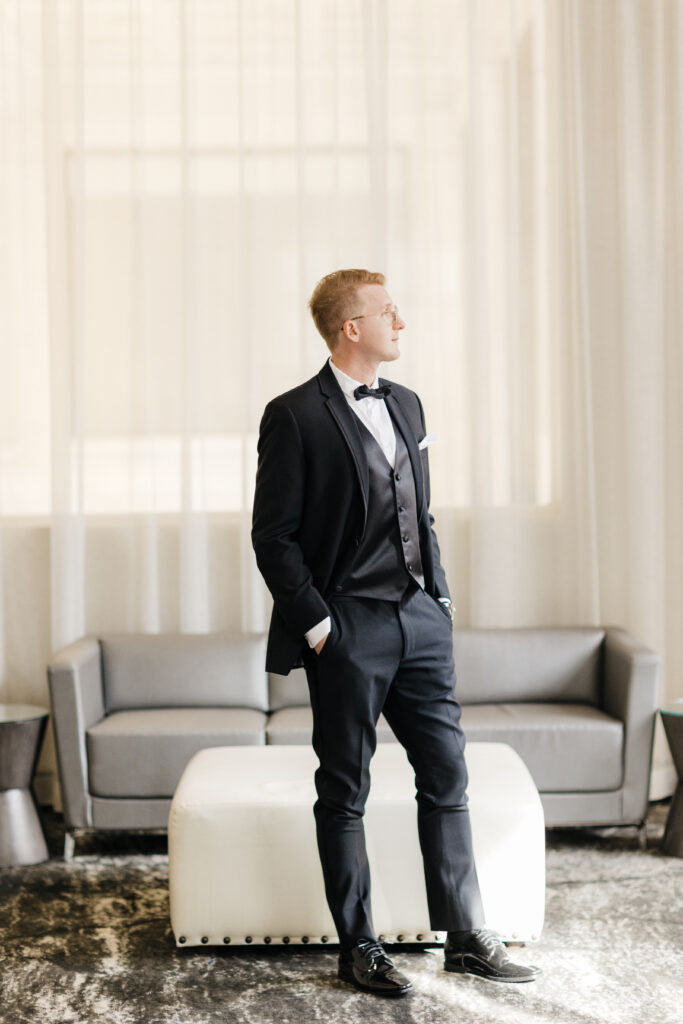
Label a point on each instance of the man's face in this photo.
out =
(377, 333)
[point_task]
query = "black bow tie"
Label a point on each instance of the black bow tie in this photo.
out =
(365, 392)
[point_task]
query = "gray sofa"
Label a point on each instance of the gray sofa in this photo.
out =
(129, 710)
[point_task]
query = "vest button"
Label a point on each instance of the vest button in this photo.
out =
(409, 567)
(338, 588)
(356, 543)
(405, 538)
(401, 508)
(398, 476)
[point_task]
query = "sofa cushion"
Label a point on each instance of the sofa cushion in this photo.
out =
(295, 726)
(288, 691)
(502, 665)
(143, 753)
(183, 670)
(494, 665)
(566, 747)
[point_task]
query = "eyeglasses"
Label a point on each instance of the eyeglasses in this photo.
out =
(390, 314)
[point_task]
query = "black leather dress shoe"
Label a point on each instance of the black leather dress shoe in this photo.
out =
(482, 953)
(367, 966)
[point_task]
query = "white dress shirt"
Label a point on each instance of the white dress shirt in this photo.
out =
(374, 414)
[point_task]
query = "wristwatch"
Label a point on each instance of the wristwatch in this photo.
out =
(448, 605)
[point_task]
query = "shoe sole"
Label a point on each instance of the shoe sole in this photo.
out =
(389, 993)
(452, 969)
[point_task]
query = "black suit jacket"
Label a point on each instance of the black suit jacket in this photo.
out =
(311, 501)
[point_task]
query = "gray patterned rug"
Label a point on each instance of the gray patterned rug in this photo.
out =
(90, 941)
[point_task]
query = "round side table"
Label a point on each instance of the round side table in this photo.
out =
(22, 727)
(672, 718)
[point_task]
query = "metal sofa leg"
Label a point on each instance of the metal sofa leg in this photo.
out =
(69, 845)
(642, 836)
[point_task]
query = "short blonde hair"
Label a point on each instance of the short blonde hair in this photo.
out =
(332, 300)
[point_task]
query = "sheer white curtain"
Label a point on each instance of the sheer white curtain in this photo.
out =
(175, 177)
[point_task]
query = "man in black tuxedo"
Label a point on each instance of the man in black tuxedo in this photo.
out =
(345, 541)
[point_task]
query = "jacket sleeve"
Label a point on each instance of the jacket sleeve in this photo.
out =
(440, 584)
(278, 509)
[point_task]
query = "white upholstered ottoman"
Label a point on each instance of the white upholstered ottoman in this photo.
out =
(243, 858)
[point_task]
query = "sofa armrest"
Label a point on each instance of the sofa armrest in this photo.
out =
(630, 694)
(77, 698)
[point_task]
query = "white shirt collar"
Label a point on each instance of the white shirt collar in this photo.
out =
(346, 383)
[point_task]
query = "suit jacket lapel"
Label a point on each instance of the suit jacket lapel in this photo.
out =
(347, 422)
(400, 420)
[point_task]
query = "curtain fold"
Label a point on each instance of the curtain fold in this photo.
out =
(174, 179)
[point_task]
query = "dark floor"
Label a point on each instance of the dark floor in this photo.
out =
(90, 941)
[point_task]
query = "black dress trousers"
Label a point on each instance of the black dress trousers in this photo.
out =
(395, 657)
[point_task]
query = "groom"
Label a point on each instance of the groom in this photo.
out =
(343, 536)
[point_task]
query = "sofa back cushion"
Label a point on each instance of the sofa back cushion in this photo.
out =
(502, 666)
(183, 670)
(507, 665)
(288, 691)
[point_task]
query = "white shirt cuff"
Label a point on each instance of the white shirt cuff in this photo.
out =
(315, 635)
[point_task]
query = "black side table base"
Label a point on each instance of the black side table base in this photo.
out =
(672, 720)
(21, 836)
(672, 844)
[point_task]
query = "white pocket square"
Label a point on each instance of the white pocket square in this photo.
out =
(427, 440)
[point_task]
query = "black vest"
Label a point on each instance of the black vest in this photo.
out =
(389, 553)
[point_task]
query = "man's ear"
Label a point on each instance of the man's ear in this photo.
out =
(350, 331)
